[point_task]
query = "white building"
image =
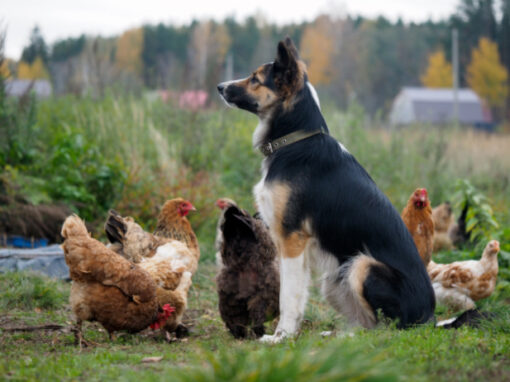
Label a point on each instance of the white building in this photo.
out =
(17, 88)
(436, 106)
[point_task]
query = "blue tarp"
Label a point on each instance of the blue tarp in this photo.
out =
(47, 260)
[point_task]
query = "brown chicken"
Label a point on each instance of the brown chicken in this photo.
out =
(169, 262)
(443, 220)
(108, 288)
(458, 285)
(417, 216)
(249, 281)
(173, 224)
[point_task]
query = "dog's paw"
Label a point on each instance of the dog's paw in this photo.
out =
(276, 338)
(270, 339)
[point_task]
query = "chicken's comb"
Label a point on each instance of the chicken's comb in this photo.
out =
(168, 308)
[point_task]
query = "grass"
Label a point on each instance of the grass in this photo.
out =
(211, 354)
(132, 155)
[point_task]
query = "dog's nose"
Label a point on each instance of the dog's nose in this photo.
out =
(220, 87)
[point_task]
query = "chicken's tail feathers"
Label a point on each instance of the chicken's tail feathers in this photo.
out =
(237, 222)
(73, 226)
(472, 317)
(115, 227)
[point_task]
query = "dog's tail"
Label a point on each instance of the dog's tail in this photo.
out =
(472, 318)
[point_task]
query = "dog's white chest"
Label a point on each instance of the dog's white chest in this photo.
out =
(264, 201)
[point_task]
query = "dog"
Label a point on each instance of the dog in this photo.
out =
(323, 208)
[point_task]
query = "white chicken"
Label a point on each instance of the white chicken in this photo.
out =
(459, 284)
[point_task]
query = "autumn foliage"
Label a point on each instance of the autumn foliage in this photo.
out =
(33, 71)
(129, 51)
(317, 49)
(486, 75)
(438, 73)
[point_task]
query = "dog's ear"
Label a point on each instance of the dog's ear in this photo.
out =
(285, 66)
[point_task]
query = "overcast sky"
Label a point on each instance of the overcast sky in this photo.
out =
(64, 18)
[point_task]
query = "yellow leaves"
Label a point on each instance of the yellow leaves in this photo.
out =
(317, 49)
(438, 73)
(32, 72)
(4, 69)
(129, 51)
(486, 75)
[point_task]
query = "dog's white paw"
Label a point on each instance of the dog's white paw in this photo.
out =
(267, 339)
(276, 338)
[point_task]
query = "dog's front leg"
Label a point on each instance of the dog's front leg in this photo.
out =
(294, 280)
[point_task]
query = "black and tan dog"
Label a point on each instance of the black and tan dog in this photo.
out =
(323, 208)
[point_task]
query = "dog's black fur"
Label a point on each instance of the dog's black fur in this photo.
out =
(348, 213)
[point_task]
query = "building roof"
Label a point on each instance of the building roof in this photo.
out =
(439, 94)
(433, 105)
(17, 87)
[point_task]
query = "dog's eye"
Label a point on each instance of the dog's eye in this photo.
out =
(254, 80)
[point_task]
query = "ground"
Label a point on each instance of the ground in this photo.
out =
(210, 353)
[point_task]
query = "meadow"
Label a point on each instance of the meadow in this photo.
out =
(132, 155)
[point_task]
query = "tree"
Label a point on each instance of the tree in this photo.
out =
(486, 76)
(36, 48)
(33, 71)
(65, 49)
(504, 40)
(438, 73)
(128, 56)
(317, 49)
(474, 19)
(209, 45)
(4, 69)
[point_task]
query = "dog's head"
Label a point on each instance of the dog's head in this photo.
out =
(270, 85)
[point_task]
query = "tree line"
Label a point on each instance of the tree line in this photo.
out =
(349, 58)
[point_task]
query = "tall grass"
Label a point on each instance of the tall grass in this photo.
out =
(146, 152)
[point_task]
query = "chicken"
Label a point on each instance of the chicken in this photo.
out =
(169, 262)
(129, 239)
(108, 288)
(458, 285)
(222, 204)
(173, 224)
(249, 282)
(443, 220)
(417, 216)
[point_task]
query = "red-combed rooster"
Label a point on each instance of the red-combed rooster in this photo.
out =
(417, 216)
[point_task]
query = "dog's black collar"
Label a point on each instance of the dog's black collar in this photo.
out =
(270, 147)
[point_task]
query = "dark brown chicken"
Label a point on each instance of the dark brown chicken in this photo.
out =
(249, 281)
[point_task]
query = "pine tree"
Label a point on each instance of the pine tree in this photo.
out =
(486, 75)
(438, 73)
(36, 48)
(504, 41)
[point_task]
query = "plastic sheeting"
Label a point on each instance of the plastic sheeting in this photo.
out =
(47, 260)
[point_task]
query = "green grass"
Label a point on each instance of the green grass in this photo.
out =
(132, 155)
(211, 354)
